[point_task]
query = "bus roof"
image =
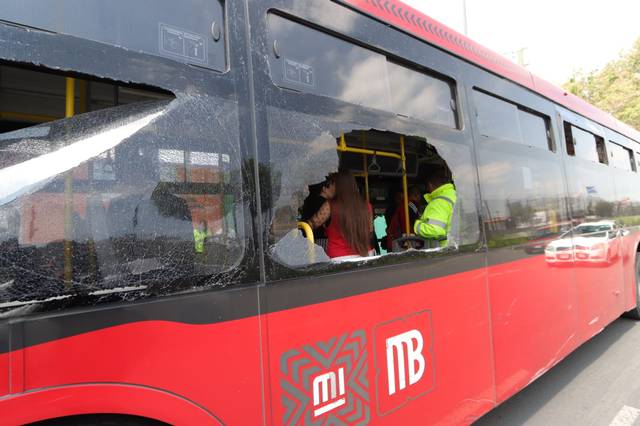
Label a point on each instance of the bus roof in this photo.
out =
(420, 25)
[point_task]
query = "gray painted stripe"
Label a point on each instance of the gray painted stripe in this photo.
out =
(436, 222)
(447, 199)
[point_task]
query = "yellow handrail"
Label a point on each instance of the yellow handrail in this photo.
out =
(365, 167)
(342, 147)
(20, 116)
(68, 194)
(405, 190)
(308, 232)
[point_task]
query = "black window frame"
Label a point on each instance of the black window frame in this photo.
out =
(551, 143)
(601, 148)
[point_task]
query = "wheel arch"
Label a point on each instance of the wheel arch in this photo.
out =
(104, 398)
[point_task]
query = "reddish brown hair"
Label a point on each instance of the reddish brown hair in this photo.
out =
(353, 217)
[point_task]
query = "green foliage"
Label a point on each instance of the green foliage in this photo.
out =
(614, 89)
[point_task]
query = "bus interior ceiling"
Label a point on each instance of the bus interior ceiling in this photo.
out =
(29, 96)
(384, 174)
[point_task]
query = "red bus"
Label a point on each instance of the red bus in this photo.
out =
(154, 159)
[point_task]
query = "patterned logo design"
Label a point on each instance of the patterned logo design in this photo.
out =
(326, 383)
(405, 363)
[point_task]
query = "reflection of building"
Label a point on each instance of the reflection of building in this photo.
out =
(196, 177)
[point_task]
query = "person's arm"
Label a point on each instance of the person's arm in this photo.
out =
(321, 216)
(431, 225)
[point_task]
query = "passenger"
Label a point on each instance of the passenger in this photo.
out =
(435, 222)
(200, 235)
(315, 209)
(397, 227)
(351, 224)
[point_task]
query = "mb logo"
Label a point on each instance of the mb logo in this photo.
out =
(404, 361)
(410, 343)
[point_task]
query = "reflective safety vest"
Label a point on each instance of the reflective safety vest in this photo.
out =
(435, 222)
(199, 237)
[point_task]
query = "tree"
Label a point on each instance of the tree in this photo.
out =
(614, 89)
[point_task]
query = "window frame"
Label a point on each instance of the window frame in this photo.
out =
(389, 57)
(551, 143)
(601, 148)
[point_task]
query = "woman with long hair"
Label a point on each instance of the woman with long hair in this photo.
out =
(349, 232)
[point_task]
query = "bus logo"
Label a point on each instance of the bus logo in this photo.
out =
(395, 356)
(405, 362)
(328, 392)
(326, 382)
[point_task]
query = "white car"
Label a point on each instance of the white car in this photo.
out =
(592, 242)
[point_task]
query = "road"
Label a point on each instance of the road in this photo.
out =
(598, 384)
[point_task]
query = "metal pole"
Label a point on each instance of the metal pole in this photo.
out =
(464, 11)
(365, 166)
(68, 195)
(405, 190)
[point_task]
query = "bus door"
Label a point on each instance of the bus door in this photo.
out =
(627, 209)
(596, 237)
(525, 217)
(400, 338)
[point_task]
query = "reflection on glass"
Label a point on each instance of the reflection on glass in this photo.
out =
(418, 95)
(311, 61)
(314, 62)
(144, 205)
(158, 27)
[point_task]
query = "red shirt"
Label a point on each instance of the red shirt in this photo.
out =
(337, 245)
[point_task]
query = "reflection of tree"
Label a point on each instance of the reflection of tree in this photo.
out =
(604, 208)
(270, 182)
(521, 212)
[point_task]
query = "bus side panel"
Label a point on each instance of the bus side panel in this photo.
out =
(631, 240)
(452, 365)
(207, 364)
(4, 359)
(534, 315)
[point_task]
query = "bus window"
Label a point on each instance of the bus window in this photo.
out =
(508, 121)
(311, 61)
(585, 145)
(132, 195)
(374, 158)
(422, 96)
(621, 157)
(156, 27)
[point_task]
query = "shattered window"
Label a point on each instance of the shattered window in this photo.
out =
(142, 196)
(305, 155)
(190, 31)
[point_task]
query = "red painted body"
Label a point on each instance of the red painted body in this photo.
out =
(492, 332)
(485, 333)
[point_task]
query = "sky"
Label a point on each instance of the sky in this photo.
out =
(560, 37)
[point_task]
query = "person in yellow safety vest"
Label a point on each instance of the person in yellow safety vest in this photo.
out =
(435, 222)
(200, 234)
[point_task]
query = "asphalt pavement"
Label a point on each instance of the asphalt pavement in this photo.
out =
(598, 384)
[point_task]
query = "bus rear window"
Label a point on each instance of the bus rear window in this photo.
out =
(311, 61)
(191, 32)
